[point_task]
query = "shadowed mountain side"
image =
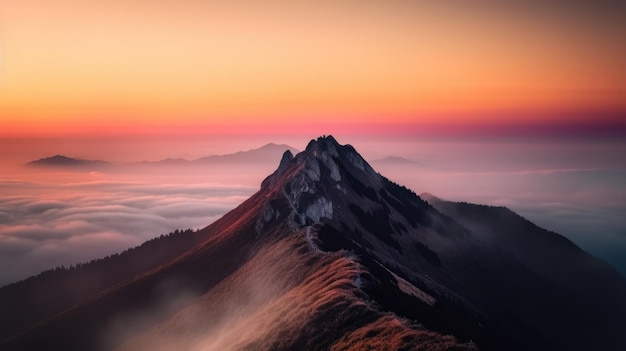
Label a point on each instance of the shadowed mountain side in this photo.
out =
(55, 290)
(541, 250)
(331, 255)
(589, 286)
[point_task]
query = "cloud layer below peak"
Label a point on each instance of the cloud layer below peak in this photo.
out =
(63, 224)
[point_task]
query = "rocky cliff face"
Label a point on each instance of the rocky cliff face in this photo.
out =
(307, 185)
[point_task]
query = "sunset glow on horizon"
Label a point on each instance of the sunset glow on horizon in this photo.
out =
(505, 103)
(104, 67)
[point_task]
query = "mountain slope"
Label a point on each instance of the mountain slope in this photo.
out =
(592, 292)
(331, 255)
(65, 287)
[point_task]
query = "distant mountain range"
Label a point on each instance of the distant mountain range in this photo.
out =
(331, 255)
(265, 154)
(395, 161)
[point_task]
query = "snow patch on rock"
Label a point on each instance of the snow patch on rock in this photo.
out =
(340, 188)
(356, 160)
(334, 169)
(305, 205)
(332, 150)
(312, 169)
(321, 208)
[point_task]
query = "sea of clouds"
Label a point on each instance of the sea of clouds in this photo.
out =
(44, 225)
(577, 190)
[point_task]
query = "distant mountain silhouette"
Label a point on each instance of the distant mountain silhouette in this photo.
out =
(395, 161)
(265, 154)
(60, 161)
(330, 255)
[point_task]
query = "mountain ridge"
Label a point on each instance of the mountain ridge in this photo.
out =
(329, 254)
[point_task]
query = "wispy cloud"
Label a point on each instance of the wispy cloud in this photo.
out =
(62, 224)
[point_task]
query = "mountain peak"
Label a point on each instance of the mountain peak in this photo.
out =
(306, 188)
(327, 147)
(287, 157)
(323, 143)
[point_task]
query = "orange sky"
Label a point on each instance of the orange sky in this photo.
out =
(101, 66)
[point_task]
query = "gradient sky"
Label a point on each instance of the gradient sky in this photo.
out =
(73, 67)
(516, 103)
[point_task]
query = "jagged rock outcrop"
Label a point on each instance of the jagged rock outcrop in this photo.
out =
(309, 184)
